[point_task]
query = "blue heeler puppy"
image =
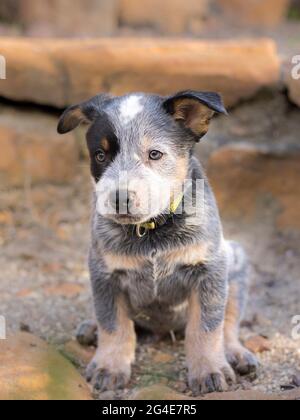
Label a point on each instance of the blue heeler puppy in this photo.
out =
(164, 266)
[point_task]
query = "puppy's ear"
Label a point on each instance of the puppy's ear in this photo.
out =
(85, 112)
(195, 110)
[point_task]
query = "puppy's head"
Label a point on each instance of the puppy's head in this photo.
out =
(140, 146)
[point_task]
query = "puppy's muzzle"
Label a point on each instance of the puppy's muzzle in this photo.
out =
(123, 202)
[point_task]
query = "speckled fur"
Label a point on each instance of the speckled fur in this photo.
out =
(156, 286)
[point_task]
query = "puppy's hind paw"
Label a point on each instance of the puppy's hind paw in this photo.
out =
(242, 361)
(86, 334)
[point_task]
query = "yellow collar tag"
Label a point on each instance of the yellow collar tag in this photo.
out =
(143, 228)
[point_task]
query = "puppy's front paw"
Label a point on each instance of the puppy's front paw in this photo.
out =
(107, 379)
(217, 380)
(242, 360)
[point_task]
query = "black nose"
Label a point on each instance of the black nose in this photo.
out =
(120, 201)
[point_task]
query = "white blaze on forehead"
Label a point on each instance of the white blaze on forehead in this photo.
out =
(130, 108)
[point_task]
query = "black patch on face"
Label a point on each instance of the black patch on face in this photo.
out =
(102, 131)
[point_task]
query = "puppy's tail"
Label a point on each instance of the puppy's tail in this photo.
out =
(237, 258)
(239, 271)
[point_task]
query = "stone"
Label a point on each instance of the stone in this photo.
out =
(258, 344)
(56, 17)
(162, 357)
(248, 180)
(262, 13)
(78, 354)
(107, 396)
(163, 393)
(30, 369)
(158, 393)
(168, 16)
(9, 10)
(6, 218)
(254, 395)
(32, 152)
(64, 72)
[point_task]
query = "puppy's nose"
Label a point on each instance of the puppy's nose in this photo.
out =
(120, 200)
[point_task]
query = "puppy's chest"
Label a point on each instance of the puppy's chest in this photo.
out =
(155, 281)
(159, 278)
(136, 272)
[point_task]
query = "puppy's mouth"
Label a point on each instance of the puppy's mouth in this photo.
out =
(128, 219)
(129, 213)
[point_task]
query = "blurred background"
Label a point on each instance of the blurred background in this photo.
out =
(58, 18)
(60, 52)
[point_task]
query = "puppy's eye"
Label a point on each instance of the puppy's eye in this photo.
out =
(100, 156)
(155, 155)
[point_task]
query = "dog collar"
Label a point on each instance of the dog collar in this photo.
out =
(143, 228)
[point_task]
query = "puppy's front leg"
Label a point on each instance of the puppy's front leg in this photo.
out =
(208, 368)
(110, 369)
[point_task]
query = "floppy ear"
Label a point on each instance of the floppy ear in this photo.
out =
(195, 110)
(85, 112)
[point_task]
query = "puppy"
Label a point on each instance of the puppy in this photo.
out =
(155, 259)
